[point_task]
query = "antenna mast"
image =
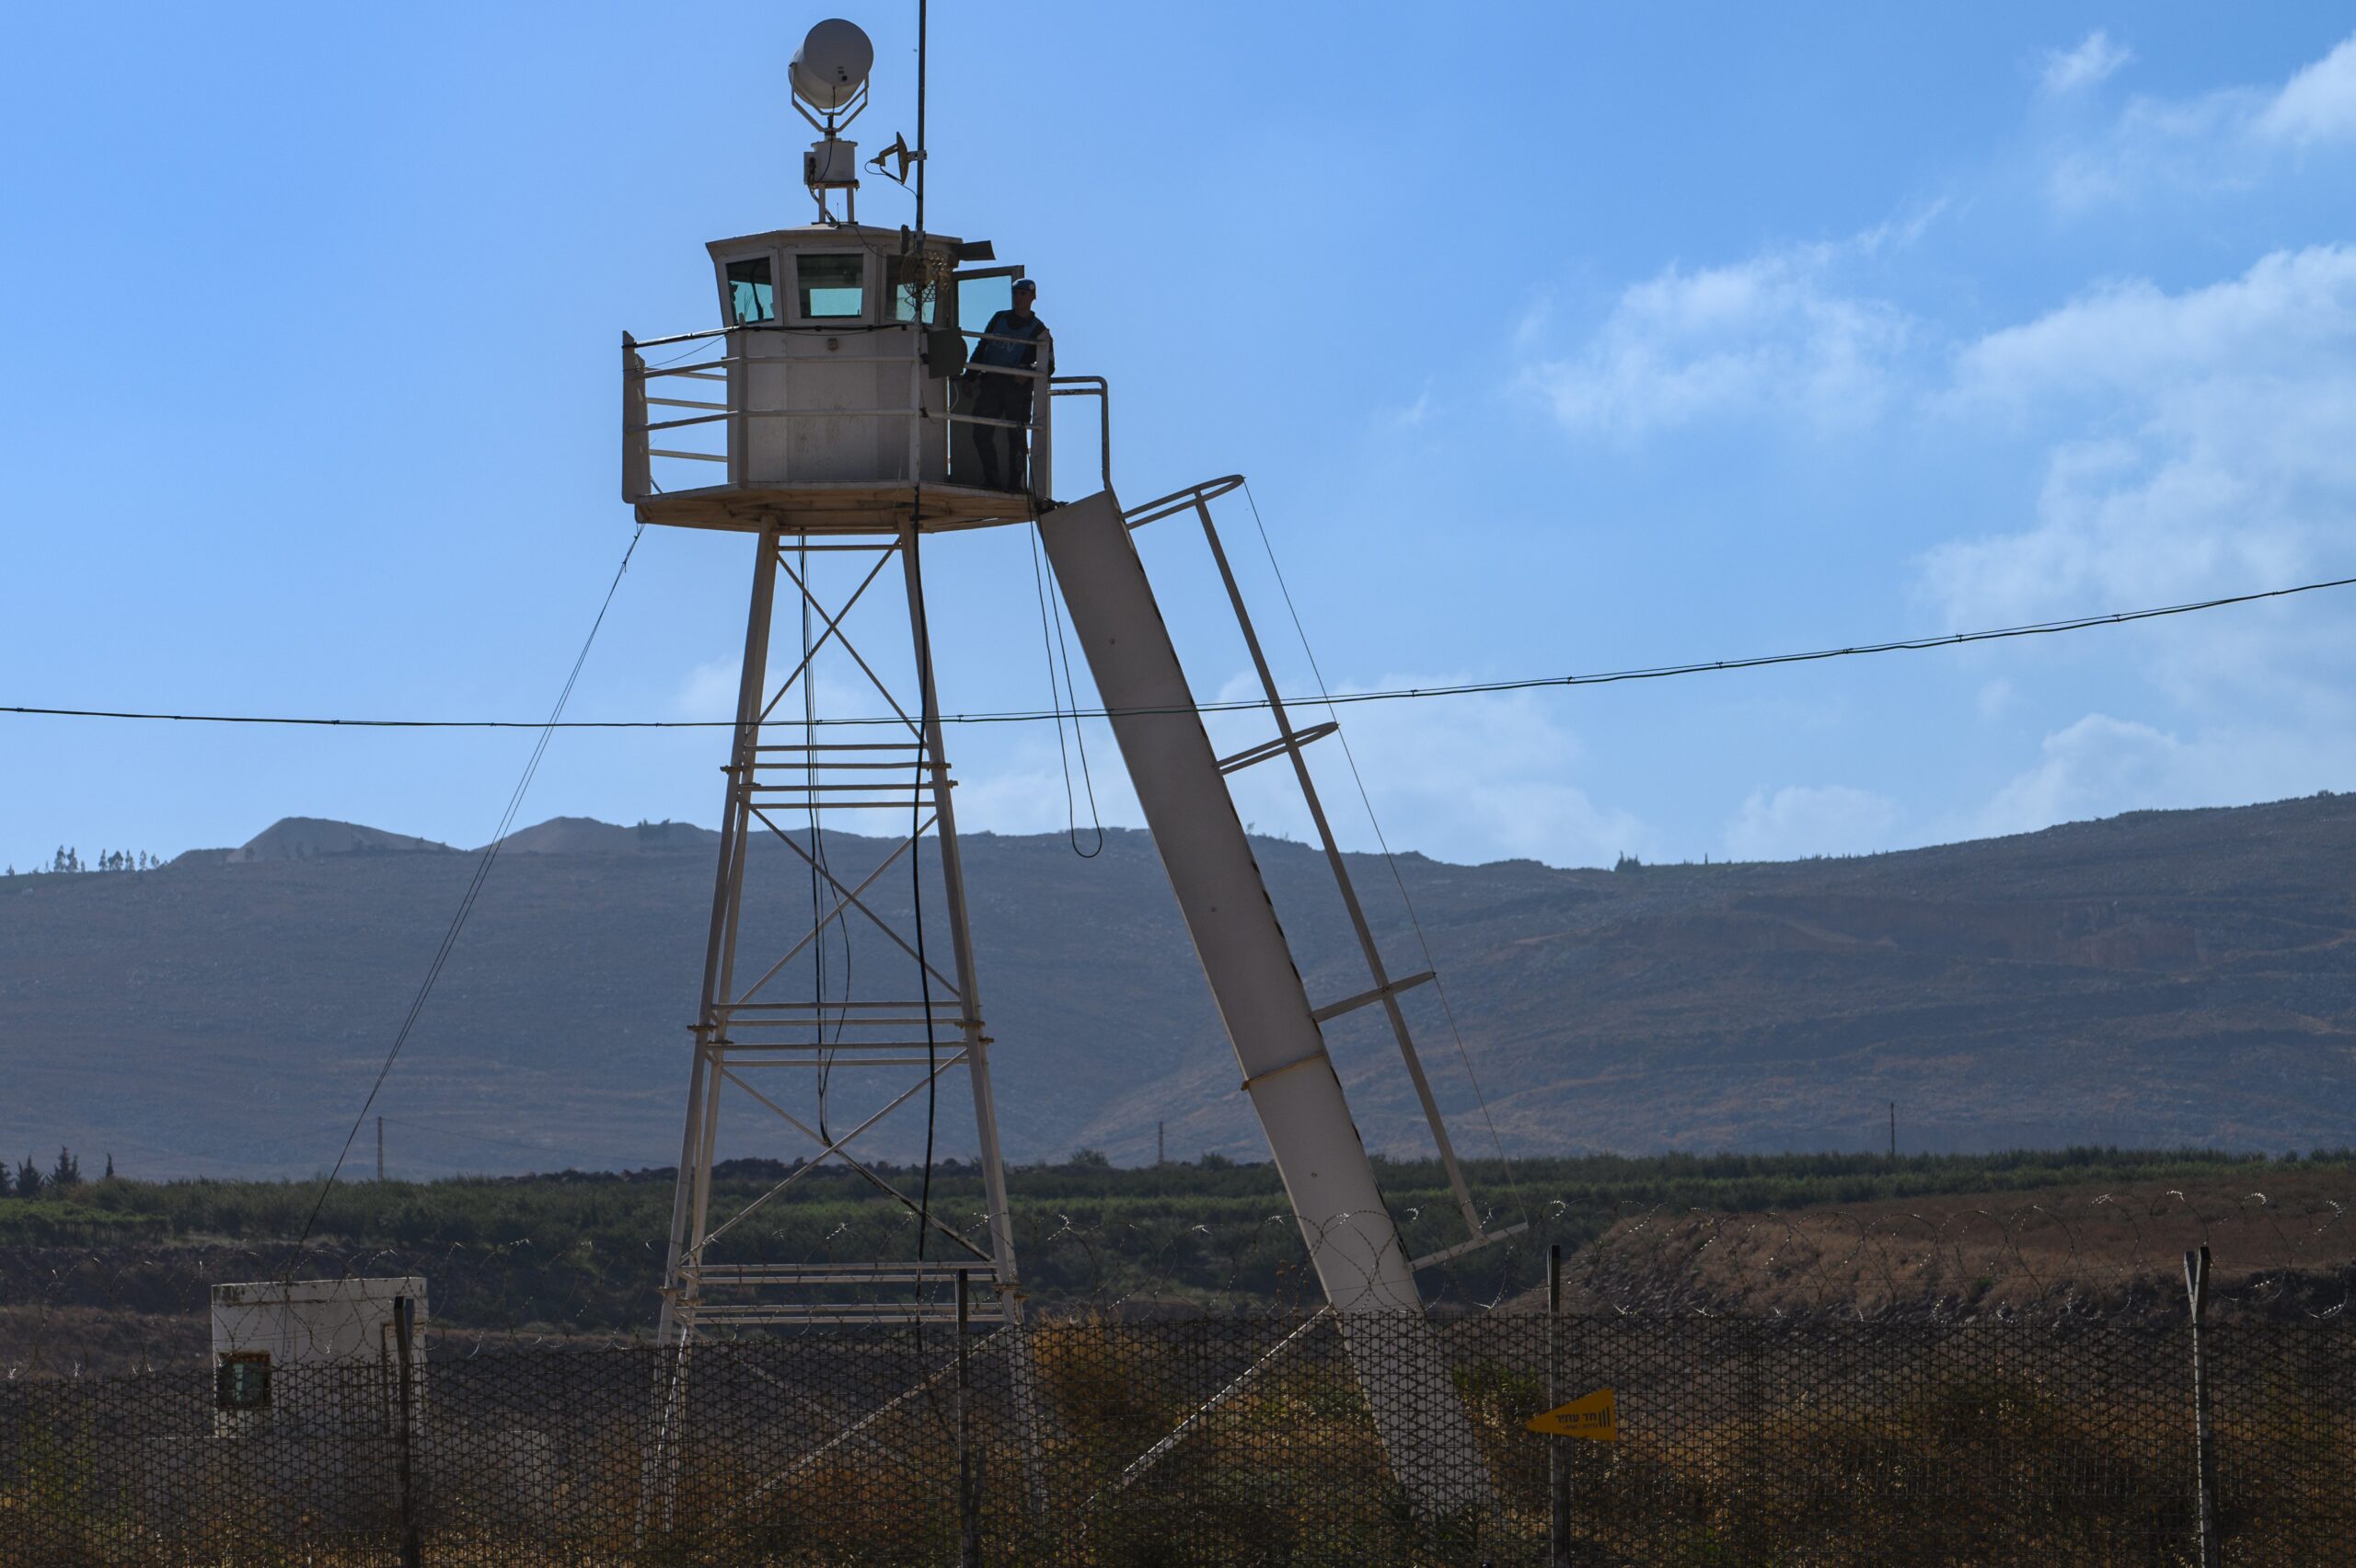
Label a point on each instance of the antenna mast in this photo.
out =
(920, 41)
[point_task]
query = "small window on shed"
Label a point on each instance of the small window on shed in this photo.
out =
(242, 1380)
(752, 290)
(831, 286)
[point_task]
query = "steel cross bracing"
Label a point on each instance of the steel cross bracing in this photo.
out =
(759, 1049)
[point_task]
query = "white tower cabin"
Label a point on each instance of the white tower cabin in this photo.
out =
(825, 400)
(834, 416)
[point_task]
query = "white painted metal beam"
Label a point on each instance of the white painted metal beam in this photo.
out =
(1294, 1088)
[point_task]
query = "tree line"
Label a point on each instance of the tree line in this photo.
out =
(68, 860)
(582, 1249)
(32, 1181)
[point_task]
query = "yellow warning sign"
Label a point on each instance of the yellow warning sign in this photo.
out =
(1594, 1415)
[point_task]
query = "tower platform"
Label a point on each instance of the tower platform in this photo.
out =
(843, 508)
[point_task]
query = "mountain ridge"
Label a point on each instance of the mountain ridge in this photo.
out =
(304, 838)
(2153, 979)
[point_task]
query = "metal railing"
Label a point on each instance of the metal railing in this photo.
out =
(652, 432)
(1094, 386)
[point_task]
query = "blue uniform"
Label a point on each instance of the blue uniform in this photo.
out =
(1011, 342)
(1022, 356)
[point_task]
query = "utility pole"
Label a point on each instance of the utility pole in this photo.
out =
(380, 1149)
(1893, 1132)
(1558, 1463)
(2196, 1287)
(1161, 1144)
(921, 31)
(969, 1525)
(404, 1464)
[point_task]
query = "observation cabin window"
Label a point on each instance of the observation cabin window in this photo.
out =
(752, 292)
(978, 299)
(911, 299)
(831, 287)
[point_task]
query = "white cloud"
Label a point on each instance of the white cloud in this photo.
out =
(2200, 447)
(709, 691)
(1407, 417)
(1531, 329)
(1797, 821)
(1773, 334)
(1465, 778)
(2194, 445)
(1029, 785)
(2318, 104)
(2098, 766)
(2220, 139)
(2294, 310)
(2089, 64)
(2101, 766)
(2190, 441)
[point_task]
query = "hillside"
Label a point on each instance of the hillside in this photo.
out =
(304, 838)
(2160, 979)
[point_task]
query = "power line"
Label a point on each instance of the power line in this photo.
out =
(440, 1132)
(1241, 705)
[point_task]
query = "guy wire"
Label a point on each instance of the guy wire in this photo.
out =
(915, 863)
(489, 857)
(1057, 700)
(821, 873)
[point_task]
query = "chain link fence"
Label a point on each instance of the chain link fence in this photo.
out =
(1937, 1381)
(1233, 1440)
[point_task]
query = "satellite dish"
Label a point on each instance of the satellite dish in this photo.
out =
(831, 64)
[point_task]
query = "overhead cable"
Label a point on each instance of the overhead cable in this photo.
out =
(1244, 705)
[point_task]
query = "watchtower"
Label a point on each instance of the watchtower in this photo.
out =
(833, 415)
(862, 395)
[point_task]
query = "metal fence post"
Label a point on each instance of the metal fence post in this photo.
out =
(412, 1537)
(1558, 1463)
(2196, 1287)
(969, 1522)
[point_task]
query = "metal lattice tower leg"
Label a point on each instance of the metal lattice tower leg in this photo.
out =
(900, 1048)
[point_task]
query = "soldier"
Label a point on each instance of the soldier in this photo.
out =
(1014, 339)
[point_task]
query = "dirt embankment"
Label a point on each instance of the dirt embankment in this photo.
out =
(2285, 1253)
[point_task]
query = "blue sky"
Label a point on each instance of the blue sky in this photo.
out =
(1552, 338)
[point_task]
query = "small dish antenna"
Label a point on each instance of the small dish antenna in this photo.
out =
(829, 76)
